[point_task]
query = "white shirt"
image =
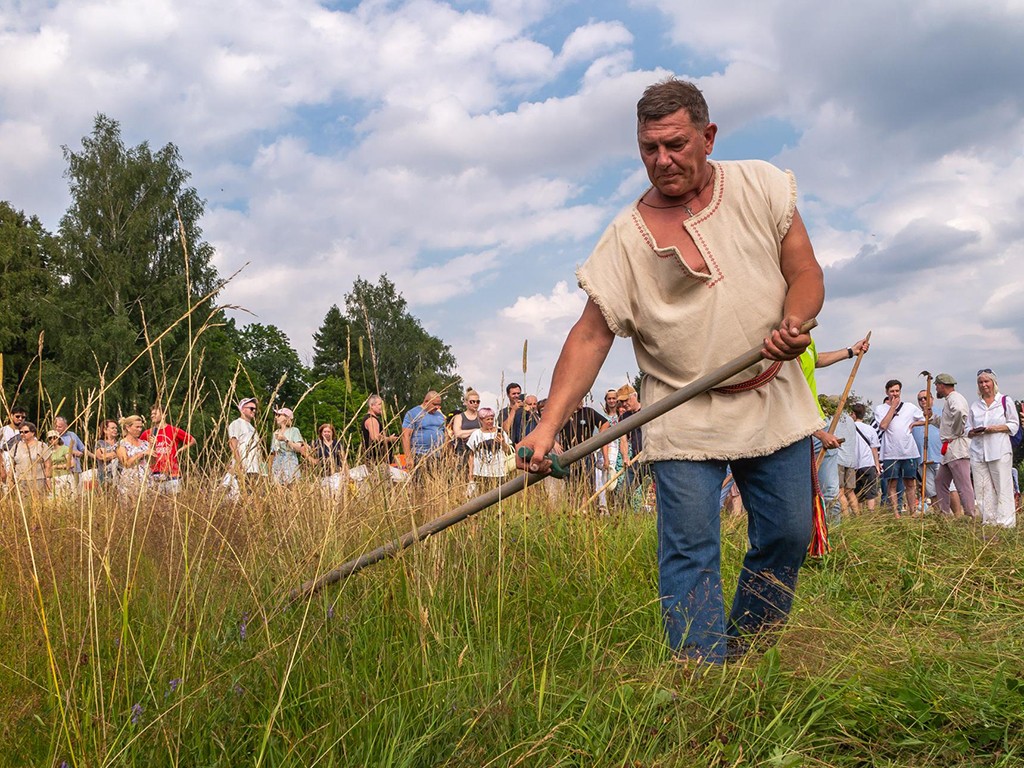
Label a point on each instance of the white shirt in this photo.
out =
(898, 439)
(994, 446)
(248, 446)
(865, 456)
(488, 455)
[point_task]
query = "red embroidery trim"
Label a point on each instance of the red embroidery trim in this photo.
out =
(760, 380)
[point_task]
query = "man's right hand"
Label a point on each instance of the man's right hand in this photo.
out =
(539, 446)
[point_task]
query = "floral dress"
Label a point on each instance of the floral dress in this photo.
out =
(285, 468)
(130, 480)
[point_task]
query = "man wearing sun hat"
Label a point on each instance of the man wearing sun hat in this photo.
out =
(956, 447)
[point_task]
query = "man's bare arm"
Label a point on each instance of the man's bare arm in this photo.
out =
(804, 296)
(585, 349)
(826, 359)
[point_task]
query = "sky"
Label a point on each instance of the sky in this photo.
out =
(475, 152)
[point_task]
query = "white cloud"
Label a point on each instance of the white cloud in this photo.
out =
(548, 314)
(448, 146)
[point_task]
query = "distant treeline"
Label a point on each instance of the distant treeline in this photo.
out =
(119, 309)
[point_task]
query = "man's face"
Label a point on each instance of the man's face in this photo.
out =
(17, 418)
(924, 399)
(376, 407)
(530, 403)
(60, 424)
(675, 152)
(514, 395)
(433, 406)
(156, 415)
(893, 393)
(249, 411)
(942, 390)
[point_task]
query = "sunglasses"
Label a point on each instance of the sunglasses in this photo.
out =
(25, 431)
(984, 370)
(473, 402)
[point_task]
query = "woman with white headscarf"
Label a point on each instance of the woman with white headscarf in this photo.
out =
(991, 421)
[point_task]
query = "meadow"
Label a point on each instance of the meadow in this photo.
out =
(158, 633)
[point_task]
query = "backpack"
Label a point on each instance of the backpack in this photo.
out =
(1018, 438)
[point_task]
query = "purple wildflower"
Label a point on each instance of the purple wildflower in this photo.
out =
(136, 713)
(173, 685)
(242, 632)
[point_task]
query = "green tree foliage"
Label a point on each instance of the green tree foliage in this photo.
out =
(26, 254)
(267, 355)
(125, 278)
(332, 402)
(331, 345)
(391, 352)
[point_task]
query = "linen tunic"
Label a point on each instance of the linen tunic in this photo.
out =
(684, 324)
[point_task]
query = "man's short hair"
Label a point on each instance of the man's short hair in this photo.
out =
(893, 383)
(19, 409)
(669, 96)
(859, 410)
(510, 387)
(374, 399)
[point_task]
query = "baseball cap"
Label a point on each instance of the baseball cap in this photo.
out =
(246, 401)
(284, 412)
(624, 392)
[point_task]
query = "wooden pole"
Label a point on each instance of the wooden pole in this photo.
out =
(524, 479)
(611, 480)
(842, 400)
(924, 458)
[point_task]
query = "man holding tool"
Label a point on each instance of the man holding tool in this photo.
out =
(711, 259)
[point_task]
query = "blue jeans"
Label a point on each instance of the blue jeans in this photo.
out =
(776, 491)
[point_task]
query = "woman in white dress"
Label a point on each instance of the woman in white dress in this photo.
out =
(992, 419)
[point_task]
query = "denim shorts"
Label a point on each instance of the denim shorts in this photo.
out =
(905, 468)
(867, 483)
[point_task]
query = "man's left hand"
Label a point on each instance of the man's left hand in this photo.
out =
(828, 440)
(786, 342)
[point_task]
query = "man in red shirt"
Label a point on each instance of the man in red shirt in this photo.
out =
(165, 441)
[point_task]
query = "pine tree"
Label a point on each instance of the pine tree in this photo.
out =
(330, 345)
(26, 253)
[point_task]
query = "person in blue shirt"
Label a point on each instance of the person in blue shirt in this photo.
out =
(423, 433)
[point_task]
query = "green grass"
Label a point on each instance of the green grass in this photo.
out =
(526, 638)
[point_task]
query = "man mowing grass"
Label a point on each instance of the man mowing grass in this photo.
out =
(711, 260)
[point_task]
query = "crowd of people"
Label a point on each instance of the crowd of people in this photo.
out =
(127, 455)
(711, 260)
(958, 461)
